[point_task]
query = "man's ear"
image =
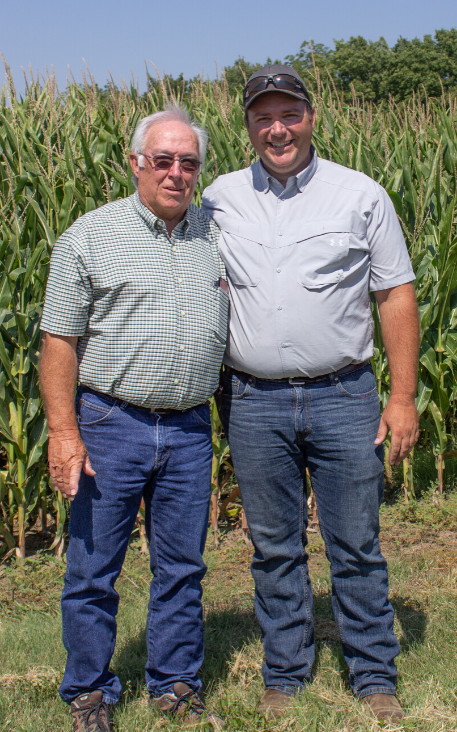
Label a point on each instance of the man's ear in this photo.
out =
(133, 160)
(313, 116)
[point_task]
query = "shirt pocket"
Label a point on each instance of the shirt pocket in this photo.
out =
(240, 246)
(324, 256)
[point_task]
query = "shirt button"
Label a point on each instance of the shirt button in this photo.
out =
(176, 382)
(278, 269)
(183, 312)
(279, 233)
(181, 348)
(279, 307)
(179, 280)
(173, 249)
(283, 345)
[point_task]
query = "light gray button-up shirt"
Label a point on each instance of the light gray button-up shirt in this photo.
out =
(301, 261)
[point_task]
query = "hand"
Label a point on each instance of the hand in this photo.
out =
(401, 418)
(67, 454)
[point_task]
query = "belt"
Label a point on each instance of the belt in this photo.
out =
(128, 405)
(297, 380)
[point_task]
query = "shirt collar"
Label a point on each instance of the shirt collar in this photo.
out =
(301, 180)
(153, 221)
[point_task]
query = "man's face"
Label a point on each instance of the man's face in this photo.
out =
(280, 131)
(167, 193)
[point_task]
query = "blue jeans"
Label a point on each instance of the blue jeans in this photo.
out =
(165, 457)
(276, 430)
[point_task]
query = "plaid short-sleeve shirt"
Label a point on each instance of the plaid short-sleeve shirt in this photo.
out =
(148, 309)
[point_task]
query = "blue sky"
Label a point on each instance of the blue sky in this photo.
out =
(178, 35)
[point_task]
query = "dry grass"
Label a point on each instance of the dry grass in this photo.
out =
(39, 677)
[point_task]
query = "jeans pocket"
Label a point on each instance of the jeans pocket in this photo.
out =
(202, 415)
(237, 385)
(91, 412)
(357, 384)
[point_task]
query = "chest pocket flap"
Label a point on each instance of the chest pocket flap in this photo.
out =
(324, 256)
(240, 245)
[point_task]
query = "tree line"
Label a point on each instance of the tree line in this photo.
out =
(357, 68)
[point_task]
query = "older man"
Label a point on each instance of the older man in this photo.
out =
(303, 241)
(134, 313)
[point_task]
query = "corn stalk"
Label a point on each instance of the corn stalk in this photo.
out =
(65, 153)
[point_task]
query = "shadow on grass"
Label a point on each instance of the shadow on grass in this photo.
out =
(413, 621)
(227, 629)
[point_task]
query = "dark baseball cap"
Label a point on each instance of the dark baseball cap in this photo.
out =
(274, 77)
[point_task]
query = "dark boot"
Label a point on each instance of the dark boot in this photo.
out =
(274, 703)
(385, 707)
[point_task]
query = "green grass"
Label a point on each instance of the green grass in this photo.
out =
(420, 542)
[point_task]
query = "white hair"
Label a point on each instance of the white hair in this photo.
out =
(171, 113)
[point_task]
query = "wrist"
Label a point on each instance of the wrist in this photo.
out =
(406, 398)
(62, 430)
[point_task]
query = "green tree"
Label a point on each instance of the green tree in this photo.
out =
(360, 65)
(241, 70)
(374, 71)
(415, 65)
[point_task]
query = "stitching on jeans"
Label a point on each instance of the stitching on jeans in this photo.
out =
(150, 644)
(339, 619)
(375, 690)
(307, 411)
(295, 399)
(345, 393)
(95, 421)
(304, 575)
(297, 405)
(105, 410)
(165, 433)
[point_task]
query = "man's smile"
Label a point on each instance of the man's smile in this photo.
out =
(280, 145)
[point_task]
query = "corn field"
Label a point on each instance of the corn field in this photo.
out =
(65, 153)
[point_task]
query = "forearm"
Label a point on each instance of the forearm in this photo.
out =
(67, 453)
(58, 374)
(400, 332)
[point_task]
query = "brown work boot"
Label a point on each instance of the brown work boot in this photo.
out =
(274, 703)
(90, 713)
(385, 707)
(186, 706)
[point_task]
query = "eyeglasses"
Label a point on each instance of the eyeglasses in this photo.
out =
(287, 82)
(165, 162)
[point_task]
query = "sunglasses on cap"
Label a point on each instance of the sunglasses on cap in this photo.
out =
(165, 162)
(283, 82)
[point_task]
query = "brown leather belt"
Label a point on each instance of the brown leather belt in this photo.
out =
(297, 380)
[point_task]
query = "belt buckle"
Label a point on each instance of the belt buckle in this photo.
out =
(298, 380)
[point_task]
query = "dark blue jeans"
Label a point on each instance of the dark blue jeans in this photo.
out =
(167, 458)
(276, 430)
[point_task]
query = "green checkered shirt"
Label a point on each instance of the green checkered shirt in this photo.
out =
(148, 311)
